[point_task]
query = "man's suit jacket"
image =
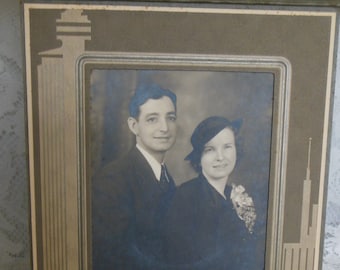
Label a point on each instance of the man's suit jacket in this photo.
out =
(128, 204)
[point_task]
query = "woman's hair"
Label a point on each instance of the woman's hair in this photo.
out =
(204, 132)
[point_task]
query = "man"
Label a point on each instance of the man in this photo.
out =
(131, 196)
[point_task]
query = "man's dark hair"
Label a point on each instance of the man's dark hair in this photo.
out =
(145, 92)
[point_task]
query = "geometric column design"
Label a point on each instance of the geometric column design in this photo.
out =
(300, 256)
(52, 156)
(57, 97)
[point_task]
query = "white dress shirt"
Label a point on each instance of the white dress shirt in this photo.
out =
(155, 165)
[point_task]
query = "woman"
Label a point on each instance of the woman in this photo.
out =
(209, 224)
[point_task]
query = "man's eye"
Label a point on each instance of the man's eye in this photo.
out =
(151, 119)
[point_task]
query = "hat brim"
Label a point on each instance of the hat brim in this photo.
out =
(196, 153)
(191, 155)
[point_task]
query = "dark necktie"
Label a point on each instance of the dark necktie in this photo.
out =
(165, 179)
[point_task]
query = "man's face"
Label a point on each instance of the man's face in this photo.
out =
(155, 128)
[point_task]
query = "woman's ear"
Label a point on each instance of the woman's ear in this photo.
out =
(133, 125)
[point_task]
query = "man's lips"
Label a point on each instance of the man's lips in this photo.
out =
(162, 138)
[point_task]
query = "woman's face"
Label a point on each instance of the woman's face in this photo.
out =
(219, 155)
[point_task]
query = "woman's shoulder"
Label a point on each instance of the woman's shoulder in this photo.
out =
(188, 190)
(190, 183)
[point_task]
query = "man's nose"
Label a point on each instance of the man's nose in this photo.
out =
(164, 124)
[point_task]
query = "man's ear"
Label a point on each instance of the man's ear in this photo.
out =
(133, 125)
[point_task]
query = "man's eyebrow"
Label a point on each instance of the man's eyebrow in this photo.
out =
(157, 114)
(151, 114)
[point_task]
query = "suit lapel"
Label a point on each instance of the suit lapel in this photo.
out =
(144, 173)
(145, 179)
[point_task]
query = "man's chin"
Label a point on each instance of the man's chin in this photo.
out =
(163, 147)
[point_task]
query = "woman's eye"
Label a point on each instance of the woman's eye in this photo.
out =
(172, 118)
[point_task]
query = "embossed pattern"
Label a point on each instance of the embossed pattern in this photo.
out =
(14, 202)
(331, 256)
(14, 192)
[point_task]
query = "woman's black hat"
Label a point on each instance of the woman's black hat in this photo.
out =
(205, 131)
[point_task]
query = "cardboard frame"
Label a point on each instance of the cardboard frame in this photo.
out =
(65, 43)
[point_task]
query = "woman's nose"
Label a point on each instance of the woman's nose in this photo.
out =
(219, 154)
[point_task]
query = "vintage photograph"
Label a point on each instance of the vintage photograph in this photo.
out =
(207, 105)
(178, 136)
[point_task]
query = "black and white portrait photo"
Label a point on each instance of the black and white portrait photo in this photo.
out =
(240, 102)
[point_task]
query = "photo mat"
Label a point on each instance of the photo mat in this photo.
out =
(64, 63)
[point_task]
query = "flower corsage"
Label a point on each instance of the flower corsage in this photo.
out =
(244, 206)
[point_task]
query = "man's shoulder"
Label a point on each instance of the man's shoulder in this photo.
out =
(123, 163)
(111, 169)
(123, 168)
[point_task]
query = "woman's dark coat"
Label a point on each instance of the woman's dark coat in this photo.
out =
(203, 231)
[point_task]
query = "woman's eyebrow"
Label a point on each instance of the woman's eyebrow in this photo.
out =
(207, 145)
